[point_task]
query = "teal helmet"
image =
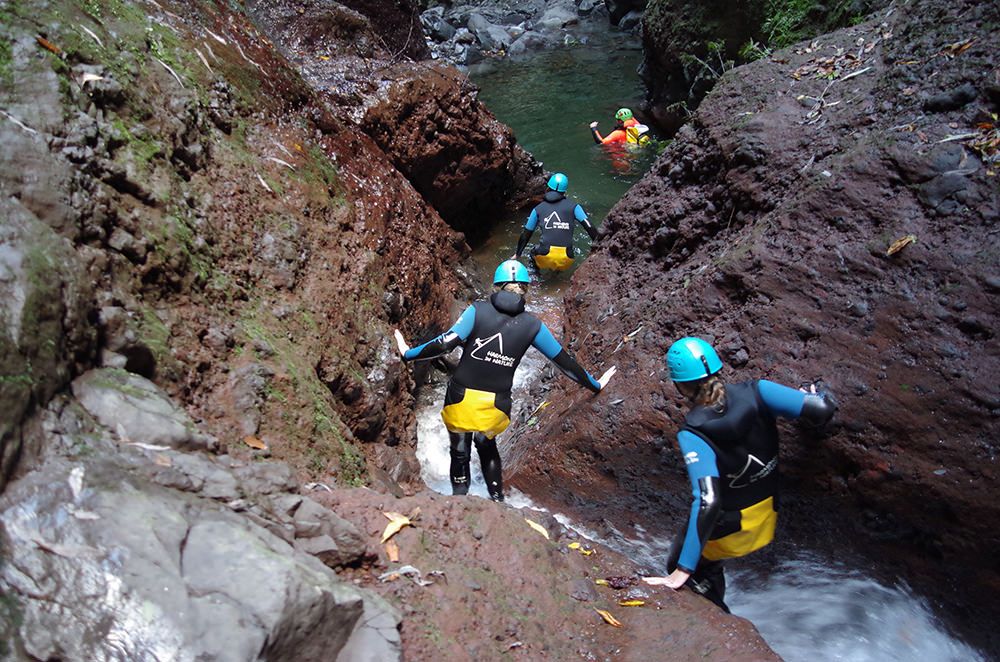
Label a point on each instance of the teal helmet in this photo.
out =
(623, 114)
(511, 271)
(558, 182)
(690, 359)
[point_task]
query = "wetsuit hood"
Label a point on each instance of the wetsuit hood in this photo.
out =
(508, 302)
(554, 196)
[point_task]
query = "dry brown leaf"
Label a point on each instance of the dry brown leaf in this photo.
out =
(162, 460)
(414, 514)
(608, 618)
(48, 45)
(392, 551)
(254, 442)
(631, 603)
(537, 527)
(900, 244)
(396, 522)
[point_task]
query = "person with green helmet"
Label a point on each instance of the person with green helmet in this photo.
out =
(729, 442)
(494, 335)
(627, 130)
(556, 214)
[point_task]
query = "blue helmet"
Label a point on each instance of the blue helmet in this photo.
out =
(511, 271)
(690, 359)
(558, 182)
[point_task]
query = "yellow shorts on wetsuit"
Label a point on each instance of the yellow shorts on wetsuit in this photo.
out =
(476, 412)
(555, 259)
(756, 530)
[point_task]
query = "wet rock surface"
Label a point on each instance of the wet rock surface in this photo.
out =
(765, 228)
(462, 161)
(468, 33)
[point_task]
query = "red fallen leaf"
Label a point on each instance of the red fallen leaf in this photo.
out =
(48, 45)
(621, 581)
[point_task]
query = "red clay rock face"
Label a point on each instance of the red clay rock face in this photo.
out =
(425, 116)
(764, 228)
(491, 588)
(466, 164)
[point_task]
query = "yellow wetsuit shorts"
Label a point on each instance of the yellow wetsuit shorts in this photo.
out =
(556, 259)
(756, 529)
(469, 410)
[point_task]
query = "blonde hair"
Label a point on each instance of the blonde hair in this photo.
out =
(707, 392)
(516, 288)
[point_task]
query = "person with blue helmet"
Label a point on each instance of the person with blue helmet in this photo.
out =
(494, 335)
(729, 442)
(555, 214)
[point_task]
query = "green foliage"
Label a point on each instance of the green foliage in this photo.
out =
(785, 21)
(753, 50)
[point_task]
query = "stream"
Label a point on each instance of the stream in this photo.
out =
(805, 605)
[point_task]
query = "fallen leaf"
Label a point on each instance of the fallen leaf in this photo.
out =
(537, 527)
(608, 618)
(324, 57)
(621, 581)
(586, 552)
(88, 77)
(601, 582)
(392, 551)
(900, 244)
(48, 45)
(414, 514)
(631, 603)
(396, 522)
(574, 545)
(254, 442)
(162, 460)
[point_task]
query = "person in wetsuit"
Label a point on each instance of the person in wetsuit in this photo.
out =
(729, 441)
(624, 120)
(494, 335)
(555, 214)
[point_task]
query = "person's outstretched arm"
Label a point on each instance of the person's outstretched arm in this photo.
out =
(703, 472)
(445, 342)
(581, 217)
(546, 343)
(529, 229)
(814, 408)
(595, 134)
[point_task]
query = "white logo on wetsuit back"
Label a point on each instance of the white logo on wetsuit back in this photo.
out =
(691, 458)
(553, 222)
(759, 469)
(490, 355)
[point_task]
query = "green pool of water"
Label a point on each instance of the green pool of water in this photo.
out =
(549, 100)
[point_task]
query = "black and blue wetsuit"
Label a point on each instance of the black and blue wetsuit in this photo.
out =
(556, 214)
(732, 461)
(494, 336)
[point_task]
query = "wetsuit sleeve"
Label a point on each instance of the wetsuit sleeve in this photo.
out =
(597, 136)
(546, 343)
(447, 341)
(529, 229)
(581, 217)
(816, 409)
(705, 507)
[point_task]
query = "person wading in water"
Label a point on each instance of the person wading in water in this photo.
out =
(494, 335)
(729, 442)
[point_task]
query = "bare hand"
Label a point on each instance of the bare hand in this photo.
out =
(811, 390)
(674, 581)
(400, 342)
(593, 125)
(513, 257)
(606, 377)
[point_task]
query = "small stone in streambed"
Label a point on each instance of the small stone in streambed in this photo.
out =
(582, 590)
